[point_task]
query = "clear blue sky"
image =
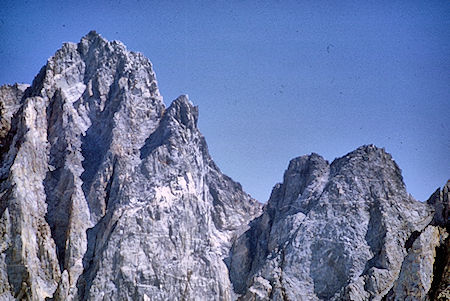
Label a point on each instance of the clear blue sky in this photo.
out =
(274, 79)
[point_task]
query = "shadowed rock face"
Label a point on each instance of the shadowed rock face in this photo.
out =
(107, 194)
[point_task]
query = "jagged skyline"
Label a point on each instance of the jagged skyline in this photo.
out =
(274, 80)
(108, 193)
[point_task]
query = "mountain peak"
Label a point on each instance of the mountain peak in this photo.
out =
(92, 35)
(184, 111)
(105, 193)
(107, 161)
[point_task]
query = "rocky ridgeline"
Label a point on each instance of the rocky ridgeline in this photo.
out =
(343, 231)
(106, 194)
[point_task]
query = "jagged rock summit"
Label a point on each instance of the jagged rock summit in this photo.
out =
(106, 194)
(341, 231)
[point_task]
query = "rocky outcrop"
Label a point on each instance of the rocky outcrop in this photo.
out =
(28, 263)
(440, 287)
(440, 200)
(173, 221)
(10, 101)
(341, 231)
(425, 273)
(106, 194)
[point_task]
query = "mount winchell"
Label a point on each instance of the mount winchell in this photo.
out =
(107, 194)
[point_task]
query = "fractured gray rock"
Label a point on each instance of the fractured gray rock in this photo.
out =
(173, 221)
(124, 199)
(330, 232)
(440, 287)
(107, 194)
(10, 101)
(28, 263)
(440, 200)
(416, 275)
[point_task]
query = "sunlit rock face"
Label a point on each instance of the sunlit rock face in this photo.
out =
(107, 194)
(341, 231)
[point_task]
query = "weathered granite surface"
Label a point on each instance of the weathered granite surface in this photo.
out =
(10, 101)
(341, 231)
(106, 194)
(440, 287)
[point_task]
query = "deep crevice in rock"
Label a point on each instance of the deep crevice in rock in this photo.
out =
(58, 183)
(376, 229)
(110, 183)
(411, 239)
(90, 259)
(98, 138)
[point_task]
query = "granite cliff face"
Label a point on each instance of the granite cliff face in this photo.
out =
(342, 231)
(106, 194)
